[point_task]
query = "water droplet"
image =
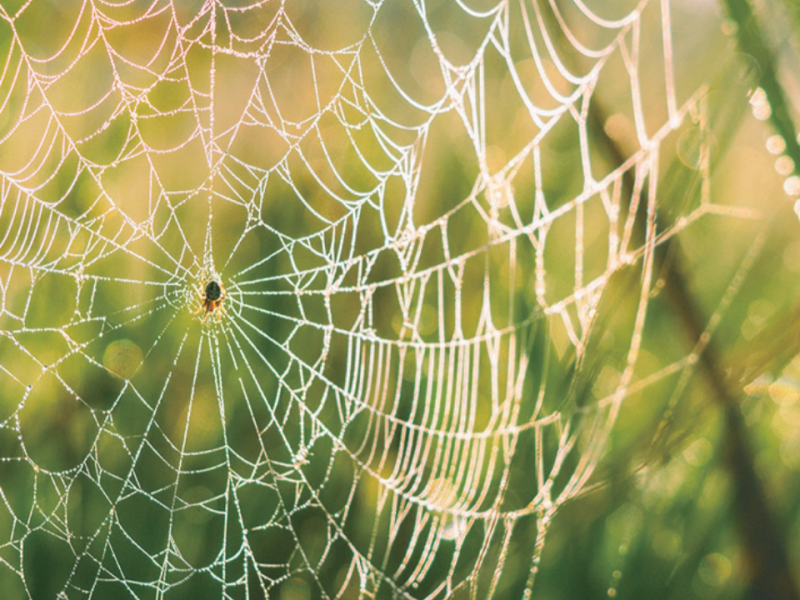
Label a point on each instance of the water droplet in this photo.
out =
(776, 144)
(792, 185)
(784, 165)
(762, 112)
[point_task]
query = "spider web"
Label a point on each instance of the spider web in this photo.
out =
(418, 228)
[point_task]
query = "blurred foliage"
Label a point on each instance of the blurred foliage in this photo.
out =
(715, 397)
(667, 521)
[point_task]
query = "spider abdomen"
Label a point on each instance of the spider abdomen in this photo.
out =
(213, 291)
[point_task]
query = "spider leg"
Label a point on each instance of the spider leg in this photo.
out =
(203, 307)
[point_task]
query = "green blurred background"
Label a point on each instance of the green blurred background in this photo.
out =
(588, 208)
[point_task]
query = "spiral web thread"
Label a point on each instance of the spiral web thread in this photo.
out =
(414, 224)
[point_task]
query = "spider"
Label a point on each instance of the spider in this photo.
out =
(212, 300)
